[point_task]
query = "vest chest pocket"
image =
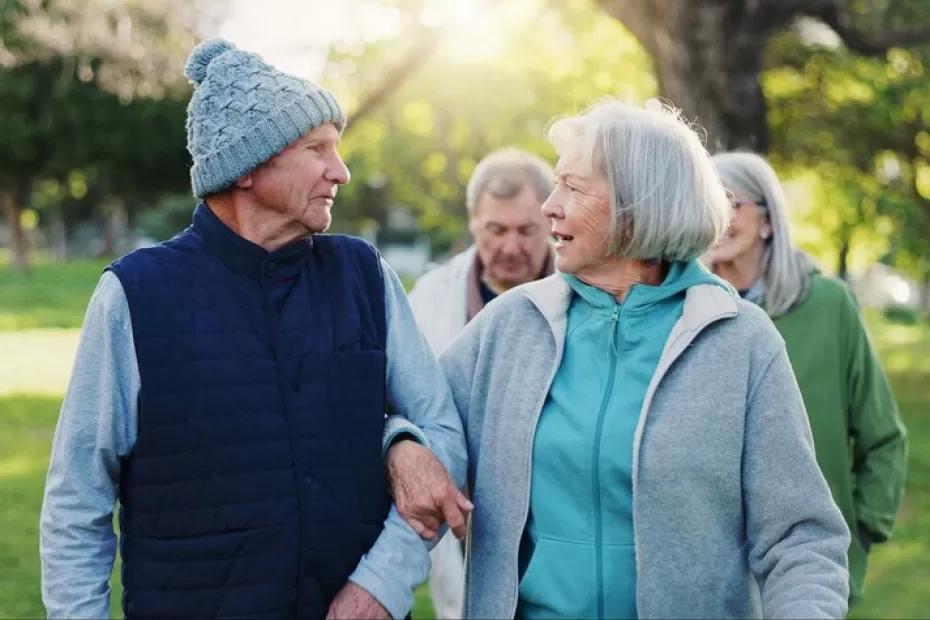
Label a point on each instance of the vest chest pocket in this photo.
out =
(350, 386)
(355, 385)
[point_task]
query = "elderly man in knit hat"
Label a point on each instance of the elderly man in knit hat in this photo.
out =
(231, 385)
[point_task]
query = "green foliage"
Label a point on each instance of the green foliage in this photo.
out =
(56, 125)
(170, 215)
(857, 126)
(482, 88)
(901, 314)
(91, 116)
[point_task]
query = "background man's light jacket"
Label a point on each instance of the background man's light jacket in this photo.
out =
(732, 517)
(440, 300)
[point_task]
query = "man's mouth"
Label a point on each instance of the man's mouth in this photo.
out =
(560, 237)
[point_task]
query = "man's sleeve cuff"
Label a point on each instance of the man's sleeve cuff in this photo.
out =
(397, 601)
(398, 427)
(396, 564)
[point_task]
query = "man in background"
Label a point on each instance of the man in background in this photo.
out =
(511, 247)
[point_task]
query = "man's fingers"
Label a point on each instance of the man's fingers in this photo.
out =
(431, 521)
(418, 527)
(463, 502)
(453, 516)
(425, 530)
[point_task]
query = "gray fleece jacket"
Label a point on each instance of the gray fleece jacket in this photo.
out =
(732, 517)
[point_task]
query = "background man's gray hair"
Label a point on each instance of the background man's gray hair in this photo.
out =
(785, 269)
(504, 173)
(667, 200)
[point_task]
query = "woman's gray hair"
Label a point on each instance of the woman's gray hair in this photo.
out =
(666, 198)
(785, 268)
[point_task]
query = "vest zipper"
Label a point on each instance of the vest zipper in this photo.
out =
(273, 324)
(596, 463)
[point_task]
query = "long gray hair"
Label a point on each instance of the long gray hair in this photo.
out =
(785, 268)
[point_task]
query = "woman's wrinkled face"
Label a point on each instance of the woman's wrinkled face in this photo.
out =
(579, 214)
(749, 229)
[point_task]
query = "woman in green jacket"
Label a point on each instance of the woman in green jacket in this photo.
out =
(859, 439)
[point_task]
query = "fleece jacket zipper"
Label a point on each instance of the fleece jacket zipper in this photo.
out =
(596, 463)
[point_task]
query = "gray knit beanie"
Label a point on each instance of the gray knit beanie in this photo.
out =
(244, 112)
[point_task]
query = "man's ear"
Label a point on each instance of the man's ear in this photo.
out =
(245, 181)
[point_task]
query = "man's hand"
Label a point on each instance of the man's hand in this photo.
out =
(353, 601)
(424, 494)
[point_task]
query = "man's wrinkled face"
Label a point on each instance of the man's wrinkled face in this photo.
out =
(298, 185)
(512, 237)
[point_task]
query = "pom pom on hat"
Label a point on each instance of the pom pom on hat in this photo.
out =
(200, 58)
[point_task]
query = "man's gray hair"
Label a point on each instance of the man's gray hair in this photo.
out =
(785, 268)
(504, 173)
(666, 198)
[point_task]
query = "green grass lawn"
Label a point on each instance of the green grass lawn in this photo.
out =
(39, 314)
(51, 295)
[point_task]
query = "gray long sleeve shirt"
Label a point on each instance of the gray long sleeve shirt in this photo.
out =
(97, 428)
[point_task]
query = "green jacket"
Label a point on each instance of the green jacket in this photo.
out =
(859, 438)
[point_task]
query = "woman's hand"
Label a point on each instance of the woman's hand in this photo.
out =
(424, 494)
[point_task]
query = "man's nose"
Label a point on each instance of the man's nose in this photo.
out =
(512, 243)
(336, 170)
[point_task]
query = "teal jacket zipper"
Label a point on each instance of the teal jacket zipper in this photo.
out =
(596, 460)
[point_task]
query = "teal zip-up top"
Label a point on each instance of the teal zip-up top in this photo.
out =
(578, 549)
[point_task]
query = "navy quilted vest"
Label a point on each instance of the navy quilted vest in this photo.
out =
(256, 483)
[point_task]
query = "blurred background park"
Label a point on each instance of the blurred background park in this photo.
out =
(93, 164)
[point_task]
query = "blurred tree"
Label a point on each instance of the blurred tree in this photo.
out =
(708, 54)
(491, 81)
(93, 102)
(861, 125)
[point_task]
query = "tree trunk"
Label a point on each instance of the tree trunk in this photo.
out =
(842, 268)
(708, 53)
(59, 236)
(113, 228)
(12, 208)
(707, 62)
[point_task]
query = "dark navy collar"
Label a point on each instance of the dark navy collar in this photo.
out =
(245, 257)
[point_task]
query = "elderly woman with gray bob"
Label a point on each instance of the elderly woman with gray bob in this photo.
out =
(860, 440)
(637, 443)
